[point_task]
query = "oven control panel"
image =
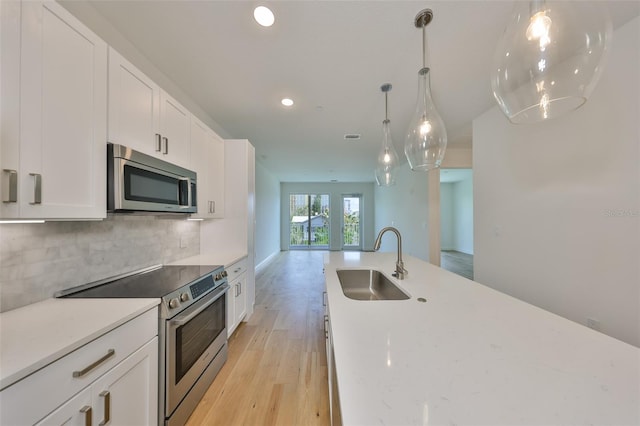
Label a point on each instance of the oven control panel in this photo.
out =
(184, 297)
(200, 287)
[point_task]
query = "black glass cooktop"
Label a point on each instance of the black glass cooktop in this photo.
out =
(155, 283)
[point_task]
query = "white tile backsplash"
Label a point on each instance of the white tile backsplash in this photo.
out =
(37, 260)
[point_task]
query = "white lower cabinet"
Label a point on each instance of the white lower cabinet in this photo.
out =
(237, 294)
(126, 395)
(334, 399)
(110, 380)
(75, 412)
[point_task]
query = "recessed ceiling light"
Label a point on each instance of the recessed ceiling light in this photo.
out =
(287, 102)
(264, 16)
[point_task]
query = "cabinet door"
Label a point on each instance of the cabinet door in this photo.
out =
(134, 107)
(75, 412)
(9, 107)
(207, 159)
(63, 93)
(174, 128)
(216, 175)
(128, 393)
(240, 298)
(231, 310)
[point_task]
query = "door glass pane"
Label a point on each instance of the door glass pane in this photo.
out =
(309, 221)
(194, 337)
(351, 211)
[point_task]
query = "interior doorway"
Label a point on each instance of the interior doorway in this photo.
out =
(309, 221)
(351, 222)
(456, 221)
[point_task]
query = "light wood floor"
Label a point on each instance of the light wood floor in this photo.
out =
(457, 262)
(276, 372)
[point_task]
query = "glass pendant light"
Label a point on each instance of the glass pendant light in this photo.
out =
(388, 158)
(549, 58)
(426, 139)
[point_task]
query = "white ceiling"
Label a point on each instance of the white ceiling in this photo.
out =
(330, 57)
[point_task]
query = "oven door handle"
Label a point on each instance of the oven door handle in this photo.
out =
(185, 318)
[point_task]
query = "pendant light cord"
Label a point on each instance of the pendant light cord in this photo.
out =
(424, 45)
(386, 107)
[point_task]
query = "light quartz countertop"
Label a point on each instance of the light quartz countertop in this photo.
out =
(36, 335)
(225, 259)
(470, 355)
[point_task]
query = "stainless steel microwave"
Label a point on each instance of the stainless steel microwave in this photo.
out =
(138, 182)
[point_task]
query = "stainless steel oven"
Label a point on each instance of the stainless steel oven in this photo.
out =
(192, 330)
(194, 338)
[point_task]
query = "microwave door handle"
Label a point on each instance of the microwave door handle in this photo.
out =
(188, 180)
(183, 319)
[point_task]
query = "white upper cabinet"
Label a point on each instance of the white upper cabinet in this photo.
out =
(174, 128)
(144, 117)
(207, 160)
(55, 161)
(134, 106)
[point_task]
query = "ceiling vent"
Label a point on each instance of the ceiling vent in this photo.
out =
(352, 136)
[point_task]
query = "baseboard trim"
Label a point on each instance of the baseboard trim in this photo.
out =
(259, 267)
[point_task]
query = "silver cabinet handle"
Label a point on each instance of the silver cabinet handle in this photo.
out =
(110, 353)
(12, 193)
(326, 326)
(107, 407)
(86, 410)
(37, 188)
(158, 142)
(166, 145)
(212, 206)
(324, 298)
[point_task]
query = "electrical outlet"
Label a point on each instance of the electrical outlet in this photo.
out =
(593, 323)
(183, 242)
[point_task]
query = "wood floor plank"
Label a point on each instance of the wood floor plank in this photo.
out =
(276, 372)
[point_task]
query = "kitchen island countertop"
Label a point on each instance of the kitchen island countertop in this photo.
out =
(470, 355)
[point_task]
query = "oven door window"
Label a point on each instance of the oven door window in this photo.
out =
(147, 186)
(194, 337)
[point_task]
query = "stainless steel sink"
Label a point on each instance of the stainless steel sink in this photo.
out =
(368, 284)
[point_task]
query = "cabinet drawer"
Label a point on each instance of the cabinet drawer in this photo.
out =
(236, 269)
(32, 398)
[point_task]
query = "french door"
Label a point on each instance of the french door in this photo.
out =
(309, 221)
(351, 222)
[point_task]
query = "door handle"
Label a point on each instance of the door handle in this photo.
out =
(12, 193)
(37, 188)
(158, 142)
(110, 353)
(86, 410)
(166, 145)
(107, 407)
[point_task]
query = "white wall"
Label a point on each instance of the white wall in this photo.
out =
(335, 190)
(557, 205)
(404, 206)
(456, 214)
(267, 214)
(447, 218)
(463, 215)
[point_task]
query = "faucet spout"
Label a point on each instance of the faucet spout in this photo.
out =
(400, 271)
